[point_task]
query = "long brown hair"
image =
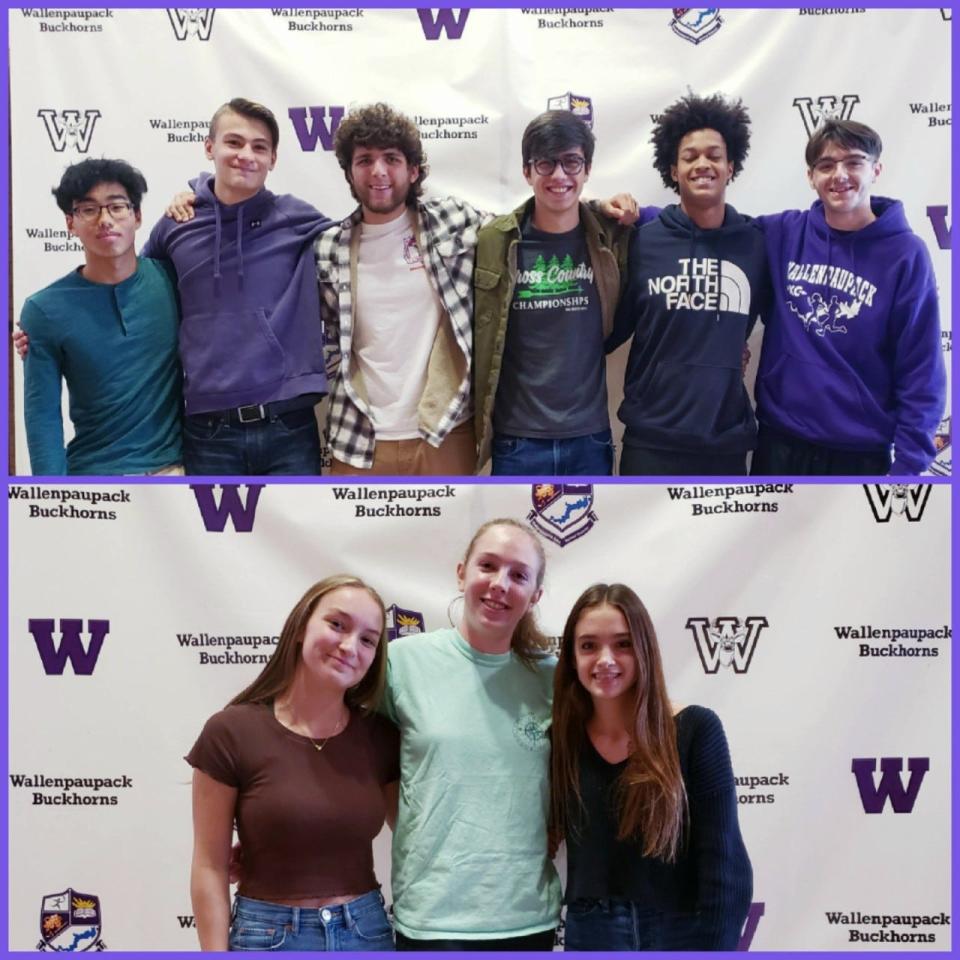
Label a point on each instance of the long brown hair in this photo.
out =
(528, 641)
(650, 791)
(277, 676)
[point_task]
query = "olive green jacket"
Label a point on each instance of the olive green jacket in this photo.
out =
(494, 277)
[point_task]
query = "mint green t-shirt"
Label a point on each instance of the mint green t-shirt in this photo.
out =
(470, 848)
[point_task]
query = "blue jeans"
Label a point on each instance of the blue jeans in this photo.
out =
(587, 456)
(599, 925)
(288, 443)
(359, 924)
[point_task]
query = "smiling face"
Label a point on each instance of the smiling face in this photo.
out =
(500, 583)
(105, 236)
(604, 653)
(843, 179)
(556, 195)
(243, 154)
(702, 170)
(341, 637)
(381, 181)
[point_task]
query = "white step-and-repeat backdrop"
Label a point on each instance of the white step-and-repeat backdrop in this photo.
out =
(136, 611)
(142, 85)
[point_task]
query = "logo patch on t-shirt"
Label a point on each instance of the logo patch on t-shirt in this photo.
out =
(411, 252)
(531, 732)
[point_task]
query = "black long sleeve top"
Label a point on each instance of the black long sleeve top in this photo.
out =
(711, 883)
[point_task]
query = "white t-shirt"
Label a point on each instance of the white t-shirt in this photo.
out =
(397, 314)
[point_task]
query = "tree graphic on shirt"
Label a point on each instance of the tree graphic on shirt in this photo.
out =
(551, 288)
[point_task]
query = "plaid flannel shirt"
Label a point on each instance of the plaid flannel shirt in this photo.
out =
(447, 239)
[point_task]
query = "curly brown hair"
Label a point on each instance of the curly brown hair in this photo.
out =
(379, 125)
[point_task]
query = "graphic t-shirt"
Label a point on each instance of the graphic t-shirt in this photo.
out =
(553, 379)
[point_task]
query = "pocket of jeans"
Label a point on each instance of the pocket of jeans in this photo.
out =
(295, 420)
(251, 935)
(208, 429)
(582, 908)
(373, 926)
(602, 439)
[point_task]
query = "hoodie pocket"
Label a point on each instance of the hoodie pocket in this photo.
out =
(822, 403)
(695, 399)
(230, 352)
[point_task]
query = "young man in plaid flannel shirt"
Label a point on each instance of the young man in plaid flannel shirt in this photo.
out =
(397, 305)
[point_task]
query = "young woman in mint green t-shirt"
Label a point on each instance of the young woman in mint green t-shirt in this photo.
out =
(471, 869)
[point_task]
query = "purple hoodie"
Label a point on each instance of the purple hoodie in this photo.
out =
(246, 276)
(851, 355)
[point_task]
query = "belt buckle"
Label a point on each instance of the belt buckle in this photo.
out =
(251, 413)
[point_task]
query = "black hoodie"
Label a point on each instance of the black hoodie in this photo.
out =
(691, 300)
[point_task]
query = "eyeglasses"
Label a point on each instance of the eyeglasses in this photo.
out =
(90, 212)
(571, 163)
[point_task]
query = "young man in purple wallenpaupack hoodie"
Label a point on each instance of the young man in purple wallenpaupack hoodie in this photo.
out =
(851, 362)
(250, 339)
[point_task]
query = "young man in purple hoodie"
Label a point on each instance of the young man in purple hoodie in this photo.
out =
(250, 342)
(851, 363)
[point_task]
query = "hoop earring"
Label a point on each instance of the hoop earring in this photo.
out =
(453, 623)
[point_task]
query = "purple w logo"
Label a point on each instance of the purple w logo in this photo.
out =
(754, 914)
(938, 220)
(442, 21)
(55, 657)
(318, 128)
(874, 796)
(215, 514)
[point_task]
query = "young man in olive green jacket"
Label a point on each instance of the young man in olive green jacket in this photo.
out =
(546, 283)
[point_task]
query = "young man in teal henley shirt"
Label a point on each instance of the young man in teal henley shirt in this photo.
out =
(109, 328)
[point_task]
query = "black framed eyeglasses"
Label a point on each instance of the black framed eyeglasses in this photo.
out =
(90, 212)
(571, 163)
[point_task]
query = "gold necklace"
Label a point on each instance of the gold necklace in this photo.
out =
(319, 746)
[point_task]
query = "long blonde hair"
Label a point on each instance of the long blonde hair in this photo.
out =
(277, 676)
(651, 796)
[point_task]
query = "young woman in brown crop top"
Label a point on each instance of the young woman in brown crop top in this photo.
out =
(300, 762)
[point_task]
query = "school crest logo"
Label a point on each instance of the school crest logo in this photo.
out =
(66, 129)
(942, 441)
(402, 623)
(696, 25)
(827, 107)
(578, 105)
(907, 500)
(191, 22)
(70, 921)
(726, 641)
(562, 512)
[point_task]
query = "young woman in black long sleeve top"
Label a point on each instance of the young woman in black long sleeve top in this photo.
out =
(643, 793)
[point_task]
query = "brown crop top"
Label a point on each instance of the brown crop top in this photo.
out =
(306, 818)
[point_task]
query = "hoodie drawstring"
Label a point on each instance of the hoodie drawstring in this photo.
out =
(216, 244)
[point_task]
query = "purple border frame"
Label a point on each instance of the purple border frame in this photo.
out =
(4, 287)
